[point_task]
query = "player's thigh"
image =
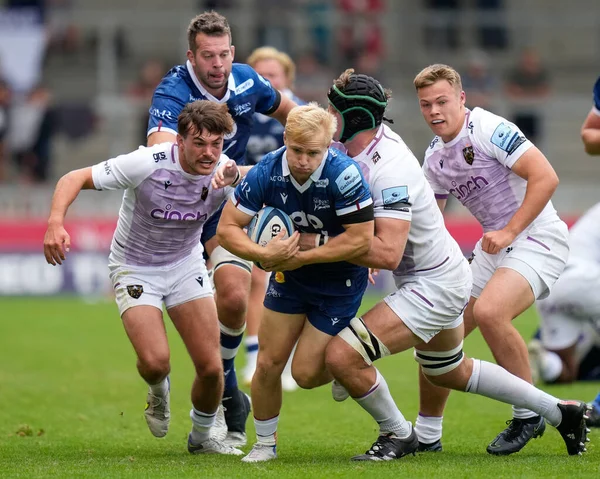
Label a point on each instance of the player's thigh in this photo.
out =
(506, 295)
(277, 335)
(197, 324)
(145, 329)
(428, 305)
(309, 357)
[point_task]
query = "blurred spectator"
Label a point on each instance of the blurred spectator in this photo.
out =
(31, 130)
(64, 35)
(492, 30)
(150, 75)
(442, 26)
(215, 4)
(273, 23)
(4, 109)
(360, 33)
(527, 84)
(479, 83)
(319, 13)
(312, 79)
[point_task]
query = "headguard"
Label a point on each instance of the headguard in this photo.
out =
(361, 104)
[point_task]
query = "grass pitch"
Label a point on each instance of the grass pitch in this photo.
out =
(72, 406)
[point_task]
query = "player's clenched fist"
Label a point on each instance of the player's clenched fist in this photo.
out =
(494, 241)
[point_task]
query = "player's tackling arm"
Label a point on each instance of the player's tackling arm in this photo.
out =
(590, 133)
(387, 246)
(56, 240)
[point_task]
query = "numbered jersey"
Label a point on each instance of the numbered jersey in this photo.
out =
(267, 134)
(337, 188)
(247, 93)
(400, 191)
(475, 167)
(163, 208)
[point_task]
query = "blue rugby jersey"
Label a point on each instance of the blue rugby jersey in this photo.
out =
(247, 93)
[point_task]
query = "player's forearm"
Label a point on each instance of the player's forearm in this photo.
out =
(67, 189)
(234, 239)
(591, 140)
(380, 256)
(344, 247)
(538, 194)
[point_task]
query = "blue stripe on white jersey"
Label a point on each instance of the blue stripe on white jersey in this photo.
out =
(247, 93)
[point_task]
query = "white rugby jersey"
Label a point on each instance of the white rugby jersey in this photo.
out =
(584, 236)
(163, 208)
(400, 191)
(475, 167)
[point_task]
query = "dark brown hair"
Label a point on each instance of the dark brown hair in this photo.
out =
(204, 115)
(211, 24)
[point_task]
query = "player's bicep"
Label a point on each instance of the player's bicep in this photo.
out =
(158, 137)
(533, 164)
(163, 114)
(248, 195)
(393, 233)
(232, 216)
(285, 106)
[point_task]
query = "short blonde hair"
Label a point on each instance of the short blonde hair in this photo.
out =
(433, 73)
(270, 53)
(306, 122)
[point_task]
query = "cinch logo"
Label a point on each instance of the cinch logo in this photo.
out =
(169, 214)
(462, 192)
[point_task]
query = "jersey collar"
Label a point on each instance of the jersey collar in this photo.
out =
(208, 96)
(316, 175)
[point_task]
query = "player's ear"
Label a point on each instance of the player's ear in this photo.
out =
(463, 97)
(232, 48)
(284, 138)
(190, 57)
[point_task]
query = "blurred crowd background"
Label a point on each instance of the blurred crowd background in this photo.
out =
(77, 76)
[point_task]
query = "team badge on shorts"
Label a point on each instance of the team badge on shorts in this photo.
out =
(279, 277)
(135, 290)
(469, 154)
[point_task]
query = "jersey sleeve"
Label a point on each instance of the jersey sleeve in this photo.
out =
(596, 107)
(394, 191)
(499, 138)
(440, 192)
(164, 111)
(248, 196)
(123, 171)
(350, 190)
(268, 98)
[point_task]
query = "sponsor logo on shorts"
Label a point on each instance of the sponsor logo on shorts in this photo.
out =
(135, 290)
(279, 277)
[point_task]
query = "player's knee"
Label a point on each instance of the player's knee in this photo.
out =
(485, 315)
(306, 378)
(154, 365)
(267, 366)
(231, 306)
(337, 356)
(209, 370)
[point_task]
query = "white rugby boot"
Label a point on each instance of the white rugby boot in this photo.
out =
(261, 453)
(158, 412)
(212, 446)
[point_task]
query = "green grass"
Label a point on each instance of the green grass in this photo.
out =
(72, 406)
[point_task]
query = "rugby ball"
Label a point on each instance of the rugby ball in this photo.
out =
(268, 223)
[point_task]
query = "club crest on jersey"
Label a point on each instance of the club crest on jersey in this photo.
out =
(204, 193)
(469, 155)
(135, 290)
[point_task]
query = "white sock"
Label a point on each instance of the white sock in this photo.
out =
(266, 431)
(201, 424)
(429, 428)
(160, 389)
(251, 343)
(552, 366)
(492, 381)
(523, 413)
(378, 402)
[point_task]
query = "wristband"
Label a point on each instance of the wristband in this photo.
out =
(238, 177)
(321, 240)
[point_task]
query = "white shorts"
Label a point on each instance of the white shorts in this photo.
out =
(572, 311)
(539, 254)
(428, 304)
(173, 284)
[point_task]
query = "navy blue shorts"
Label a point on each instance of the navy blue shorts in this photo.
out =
(329, 304)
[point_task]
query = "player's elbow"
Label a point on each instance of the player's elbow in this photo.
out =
(222, 235)
(591, 147)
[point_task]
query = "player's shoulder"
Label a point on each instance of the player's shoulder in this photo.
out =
(247, 81)
(175, 82)
(156, 156)
(434, 145)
